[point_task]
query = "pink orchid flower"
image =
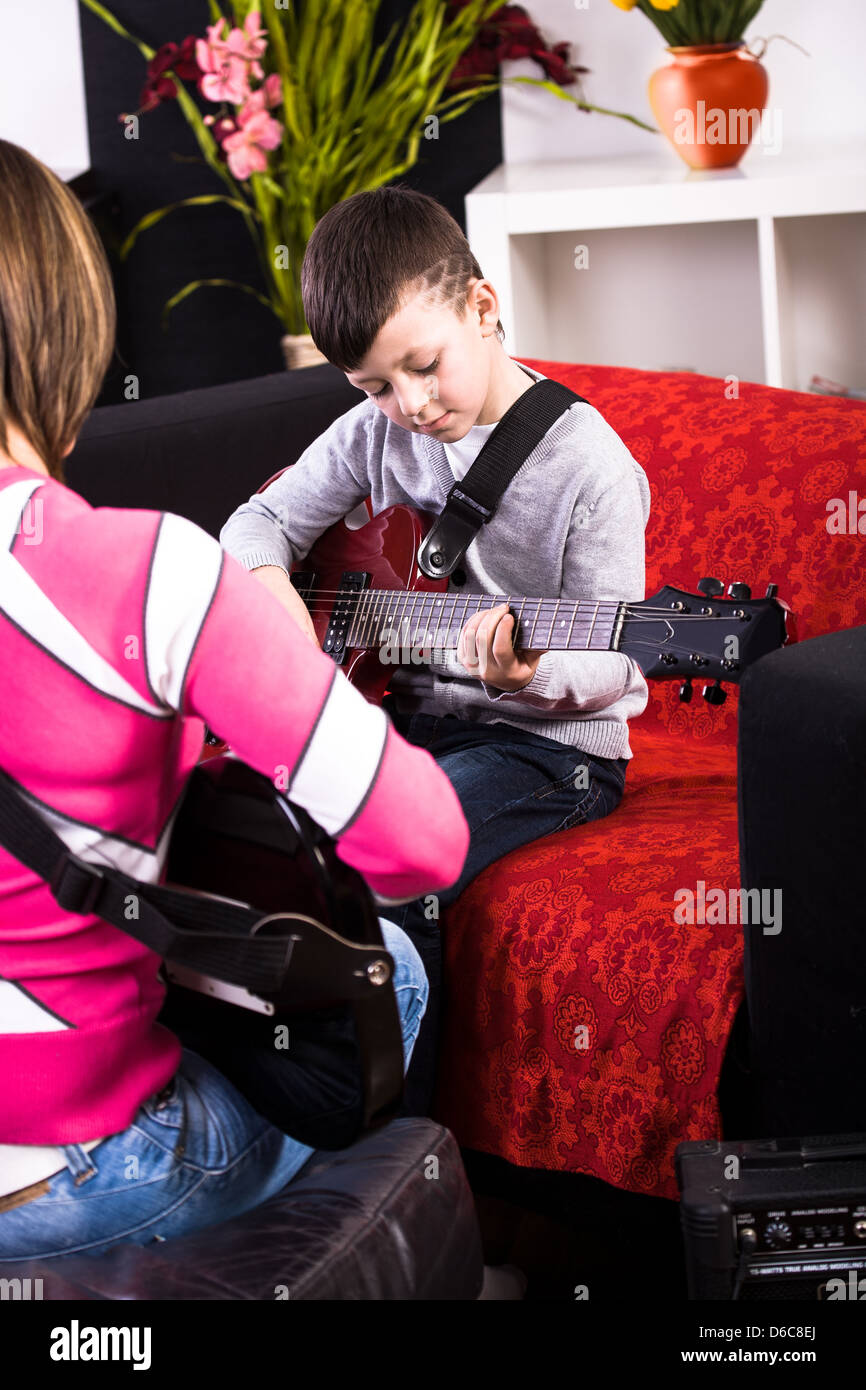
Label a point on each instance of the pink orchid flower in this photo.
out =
(249, 42)
(258, 132)
(225, 75)
(229, 61)
(268, 95)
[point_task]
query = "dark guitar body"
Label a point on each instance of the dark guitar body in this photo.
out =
(233, 840)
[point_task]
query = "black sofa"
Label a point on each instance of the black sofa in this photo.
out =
(201, 453)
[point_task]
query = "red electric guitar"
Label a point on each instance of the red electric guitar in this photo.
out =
(372, 607)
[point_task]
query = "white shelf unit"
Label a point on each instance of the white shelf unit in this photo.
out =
(756, 271)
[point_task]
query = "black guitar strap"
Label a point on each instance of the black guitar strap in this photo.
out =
(472, 502)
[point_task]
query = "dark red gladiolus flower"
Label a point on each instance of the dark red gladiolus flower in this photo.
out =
(510, 33)
(221, 128)
(180, 58)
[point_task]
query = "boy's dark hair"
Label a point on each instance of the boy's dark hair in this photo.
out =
(363, 257)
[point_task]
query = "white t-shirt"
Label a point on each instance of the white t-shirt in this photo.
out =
(463, 452)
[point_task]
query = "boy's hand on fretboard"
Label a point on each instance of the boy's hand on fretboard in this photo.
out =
(485, 649)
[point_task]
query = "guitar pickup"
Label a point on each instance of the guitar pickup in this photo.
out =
(352, 582)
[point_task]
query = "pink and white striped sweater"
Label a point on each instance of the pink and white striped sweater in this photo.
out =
(121, 632)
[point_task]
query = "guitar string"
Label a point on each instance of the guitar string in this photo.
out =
(640, 612)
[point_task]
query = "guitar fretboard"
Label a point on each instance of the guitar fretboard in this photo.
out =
(434, 620)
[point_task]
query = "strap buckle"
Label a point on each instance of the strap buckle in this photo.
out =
(76, 885)
(467, 507)
(451, 534)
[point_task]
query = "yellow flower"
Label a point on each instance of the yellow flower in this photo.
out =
(628, 4)
(664, 4)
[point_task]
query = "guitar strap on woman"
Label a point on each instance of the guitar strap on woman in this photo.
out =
(472, 501)
(278, 960)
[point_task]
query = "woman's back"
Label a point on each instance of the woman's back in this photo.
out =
(121, 633)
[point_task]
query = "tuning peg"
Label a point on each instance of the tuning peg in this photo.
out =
(686, 691)
(772, 590)
(710, 587)
(714, 694)
(741, 592)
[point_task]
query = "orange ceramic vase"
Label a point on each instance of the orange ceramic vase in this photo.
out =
(708, 102)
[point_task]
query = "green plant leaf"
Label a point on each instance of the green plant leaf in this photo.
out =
(151, 218)
(584, 105)
(200, 284)
(118, 28)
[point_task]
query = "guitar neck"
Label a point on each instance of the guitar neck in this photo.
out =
(434, 620)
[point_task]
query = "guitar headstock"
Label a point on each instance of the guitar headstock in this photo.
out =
(676, 635)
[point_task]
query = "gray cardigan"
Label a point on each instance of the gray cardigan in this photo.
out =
(570, 524)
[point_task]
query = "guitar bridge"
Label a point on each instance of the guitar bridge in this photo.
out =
(352, 582)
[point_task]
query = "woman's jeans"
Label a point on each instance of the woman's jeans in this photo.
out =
(514, 787)
(196, 1154)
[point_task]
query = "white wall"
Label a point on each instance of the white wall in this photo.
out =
(42, 105)
(630, 309)
(819, 96)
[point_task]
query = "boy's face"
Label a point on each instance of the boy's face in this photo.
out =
(429, 371)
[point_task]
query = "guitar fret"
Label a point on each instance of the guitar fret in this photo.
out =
(380, 618)
(369, 619)
(392, 624)
(413, 637)
(553, 623)
(428, 616)
(462, 623)
(518, 641)
(592, 628)
(534, 624)
(425, 617)
(442, 635)
(432, 619)
(571, 629)
(404, 637)
(352, 635)
(371, 635)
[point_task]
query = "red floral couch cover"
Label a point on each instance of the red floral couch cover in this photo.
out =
(578, 928)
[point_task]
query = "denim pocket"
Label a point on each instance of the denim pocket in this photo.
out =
(167, 1107)
(603, 795)
(561, 784)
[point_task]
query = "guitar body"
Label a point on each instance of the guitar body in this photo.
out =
(385, 549)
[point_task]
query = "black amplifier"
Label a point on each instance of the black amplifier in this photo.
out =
(774, 1218)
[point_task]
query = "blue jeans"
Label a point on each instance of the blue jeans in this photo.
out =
(196, 1154)
(514, 787)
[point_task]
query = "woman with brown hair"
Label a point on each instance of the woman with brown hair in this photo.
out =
(121, 634)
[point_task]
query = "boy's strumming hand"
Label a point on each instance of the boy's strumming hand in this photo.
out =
(281, 586)
(485, 649)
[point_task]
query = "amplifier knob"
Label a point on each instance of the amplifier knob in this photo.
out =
(777, 1233)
